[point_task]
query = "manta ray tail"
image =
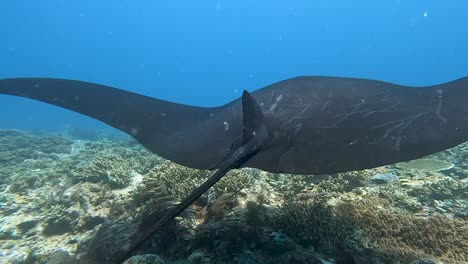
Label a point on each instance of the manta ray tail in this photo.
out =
(254, 136)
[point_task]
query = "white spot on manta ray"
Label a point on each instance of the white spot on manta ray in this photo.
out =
(226, 125)
(134, 131)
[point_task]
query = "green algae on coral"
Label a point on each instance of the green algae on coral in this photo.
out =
(425, 165)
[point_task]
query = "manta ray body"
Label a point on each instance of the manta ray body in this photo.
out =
(303, 125)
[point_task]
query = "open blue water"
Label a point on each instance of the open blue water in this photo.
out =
(206, 52)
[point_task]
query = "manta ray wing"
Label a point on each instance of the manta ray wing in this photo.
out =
(185, 134)
(319, 124)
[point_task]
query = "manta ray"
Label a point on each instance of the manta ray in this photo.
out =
(303, 125)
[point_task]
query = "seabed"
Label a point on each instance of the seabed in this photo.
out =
(82, 197)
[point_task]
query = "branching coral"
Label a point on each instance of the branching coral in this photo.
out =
(110, 169)
(346, 181)
(177, 181)
(107, 163)
(310, 222)
(221, 207)
(233, 182)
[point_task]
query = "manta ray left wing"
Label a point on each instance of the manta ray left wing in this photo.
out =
(187, 135)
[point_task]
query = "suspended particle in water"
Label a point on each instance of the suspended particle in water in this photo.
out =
(425, 14)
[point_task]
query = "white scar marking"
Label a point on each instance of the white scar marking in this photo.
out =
(325, 105)
(396, 125)
(274, 105)
(439, 106)
(298, 116)
(297, 128)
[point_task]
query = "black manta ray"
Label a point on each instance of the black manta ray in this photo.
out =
(303, 125)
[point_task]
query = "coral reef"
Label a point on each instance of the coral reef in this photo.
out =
(84, 201)
(234, 182)
(110, 169)
(108, 163)
(145, 259)
(200, 257)
(107, 243)
(178, 181)
(448, 188)
(228, 236)
(26, 160)
(370, 229)
(17, 146)
(383, 178)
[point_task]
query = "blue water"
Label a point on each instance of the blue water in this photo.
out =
(206, 52)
